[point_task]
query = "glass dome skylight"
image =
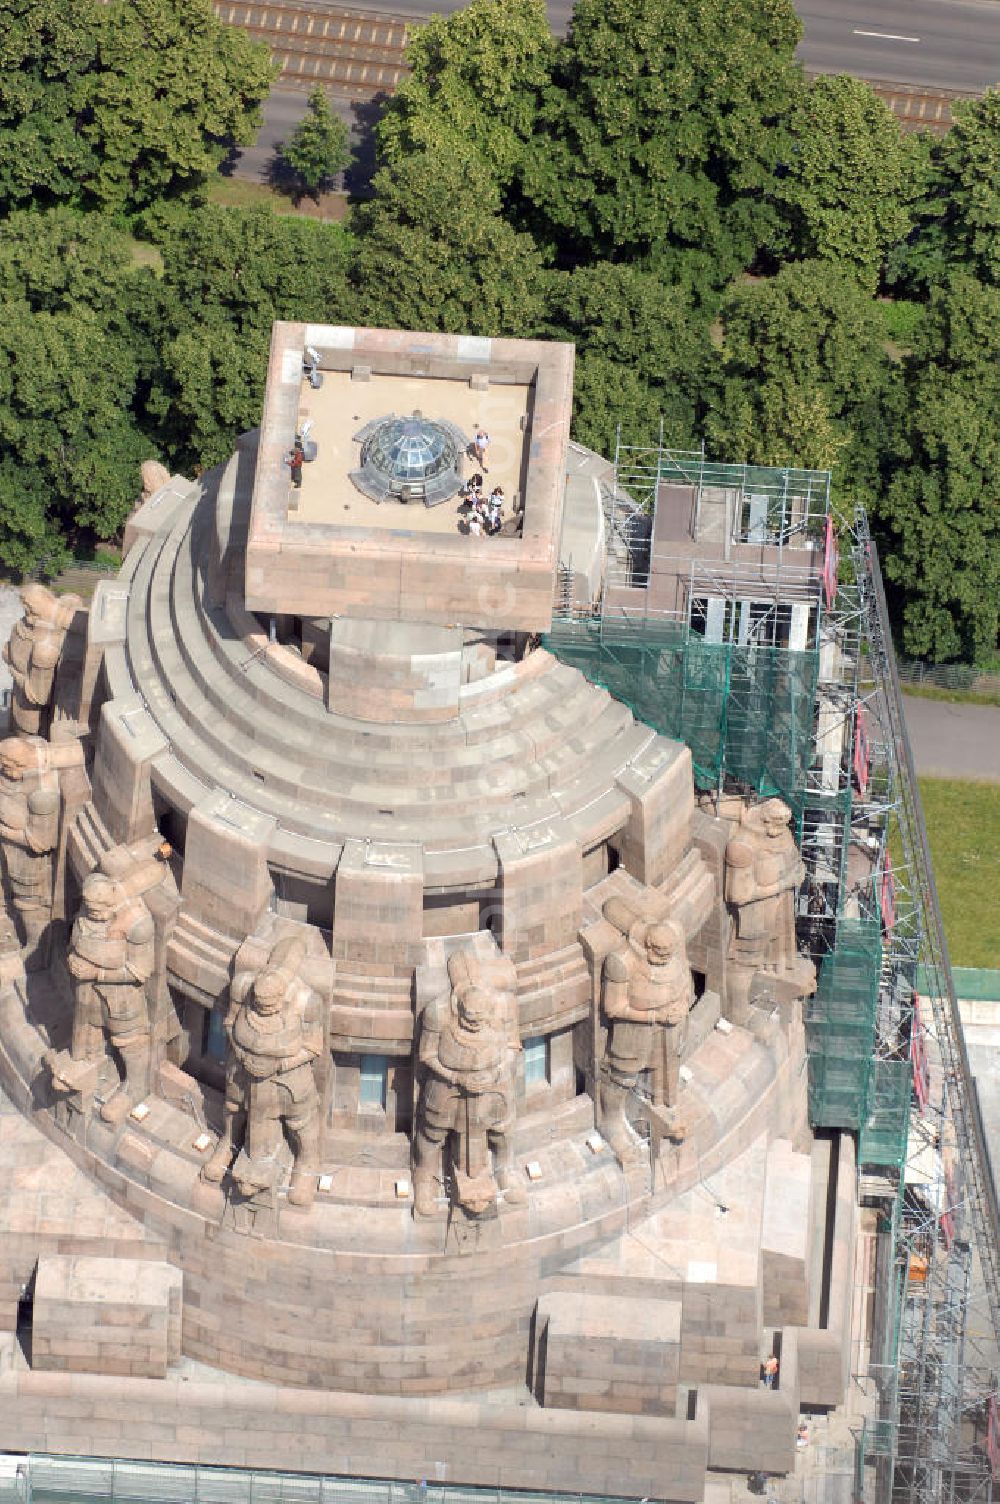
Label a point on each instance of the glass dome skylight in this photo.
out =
(410, 459)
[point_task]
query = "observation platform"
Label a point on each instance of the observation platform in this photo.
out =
(343, 405)
(325, 550)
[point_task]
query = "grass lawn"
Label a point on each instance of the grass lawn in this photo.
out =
(951, 696)
(240, 193)
(144, 254)
(963, 823)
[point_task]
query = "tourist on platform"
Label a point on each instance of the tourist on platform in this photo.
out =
(770, 1372)
(480, 446)
(495, 506)
(294, 459)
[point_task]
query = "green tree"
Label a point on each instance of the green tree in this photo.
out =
(475, 81)
(659, 136)
(227, 275)
(72, 362)
(939, 518)
(319, 146)
(422, 263)
(643, 354)
(801, 374)
(959, 220)
(113, 106)
(46, 48)
(848, 185)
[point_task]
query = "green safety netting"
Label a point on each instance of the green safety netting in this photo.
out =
(883, 1137)
(745, 711)
(840, 1027)
(849, 1086)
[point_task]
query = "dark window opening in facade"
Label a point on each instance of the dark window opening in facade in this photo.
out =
(373, 1082)
(213, 1042)
(536, 1061)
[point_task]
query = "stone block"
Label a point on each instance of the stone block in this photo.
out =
(105, 1315)
(541, 886)
(658, 832)
(128, 743)
(379, 903)
(607, 1353)
(226, 882)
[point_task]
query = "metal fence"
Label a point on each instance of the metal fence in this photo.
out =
(42, 1479)
(956, 676)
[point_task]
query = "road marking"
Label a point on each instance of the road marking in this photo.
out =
(885, 36)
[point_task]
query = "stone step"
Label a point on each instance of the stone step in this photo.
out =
(208, 972)
(91, 837)
(540, 966)
(576, 738)
(469, 760)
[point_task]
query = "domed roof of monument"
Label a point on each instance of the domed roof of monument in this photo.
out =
(409, 458)
(410, 449)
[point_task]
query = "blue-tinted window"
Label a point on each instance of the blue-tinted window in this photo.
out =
(536, 1060)
(215, 1036)
(374, 1081)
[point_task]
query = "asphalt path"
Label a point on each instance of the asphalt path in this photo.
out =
(946, 44)
(954, 741)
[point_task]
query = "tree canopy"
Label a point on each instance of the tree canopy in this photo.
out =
(939, 515)
(846, 187)
(663, 187)
(474, 87)
(661, 130)
(423, 263)
(71, 361)
(319, 146)
(227, 275)
(801, 371)
(114, 106)
(642, 353)
(958, 223)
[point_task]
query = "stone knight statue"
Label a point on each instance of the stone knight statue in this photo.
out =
(275, 1031)
(468, 1047)
(110, 959)
(29, 831)
(763, 870)
(647, 994)
(32, 653)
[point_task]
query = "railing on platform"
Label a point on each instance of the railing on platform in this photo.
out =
(42, 1479)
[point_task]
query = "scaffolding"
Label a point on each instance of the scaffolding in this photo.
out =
(810, 709)
(746, 712)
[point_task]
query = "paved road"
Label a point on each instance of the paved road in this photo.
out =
(282, 112)
(954, 741)
(949, 44)
(953, 44)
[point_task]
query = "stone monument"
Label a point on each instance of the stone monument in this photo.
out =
(275, 1035)
(763, 872)
(154, 477)
(435, 921)
(33, 651)
(110, 959)
(647, 995)
(468, 1045)
(29, 831)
